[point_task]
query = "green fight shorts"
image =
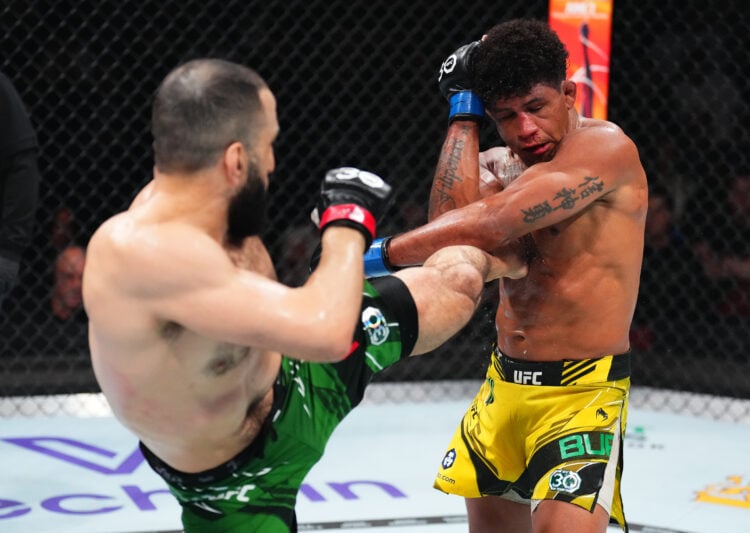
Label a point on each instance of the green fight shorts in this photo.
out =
(544, 431)
(257, 490)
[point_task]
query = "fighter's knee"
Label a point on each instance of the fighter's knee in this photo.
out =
(467, 279)
(460, 270)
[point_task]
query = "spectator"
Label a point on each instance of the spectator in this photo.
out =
(675, 176)
(722, 241)
(61, 234)
(62, 229)
(65, 301)
(675, 297)
(298, 244)
(57, 328)
(19, 183)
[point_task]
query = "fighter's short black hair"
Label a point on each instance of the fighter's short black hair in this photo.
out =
(200, 108)
(515, 56)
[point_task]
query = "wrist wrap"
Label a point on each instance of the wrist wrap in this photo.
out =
(352, 215)
(465, 105)
(376, 259)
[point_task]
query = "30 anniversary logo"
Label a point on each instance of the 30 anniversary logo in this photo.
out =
(733, 491)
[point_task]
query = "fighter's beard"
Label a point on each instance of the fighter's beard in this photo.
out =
(247, 210)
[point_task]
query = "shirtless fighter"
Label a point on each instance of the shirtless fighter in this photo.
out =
(188, 323)
(540, 448)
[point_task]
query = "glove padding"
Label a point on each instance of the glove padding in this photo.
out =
(353, 198)
(455, 84)
(454, 72)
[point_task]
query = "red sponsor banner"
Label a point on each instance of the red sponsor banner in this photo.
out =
(585, 27)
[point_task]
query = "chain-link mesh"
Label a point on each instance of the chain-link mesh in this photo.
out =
(355, 83)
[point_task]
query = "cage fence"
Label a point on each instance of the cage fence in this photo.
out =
(356, 85)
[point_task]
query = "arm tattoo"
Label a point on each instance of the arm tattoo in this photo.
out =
(565, 198)
(447, 175)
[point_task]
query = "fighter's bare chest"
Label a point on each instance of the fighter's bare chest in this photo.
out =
(225, 358)
(206, 356)
(545, 245)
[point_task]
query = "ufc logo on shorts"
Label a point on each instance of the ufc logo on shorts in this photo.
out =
(527, 377)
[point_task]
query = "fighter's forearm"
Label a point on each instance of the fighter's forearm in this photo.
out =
(453, 221)
(456, 180)
(468, 225)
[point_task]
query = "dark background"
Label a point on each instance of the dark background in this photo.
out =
(356, 85)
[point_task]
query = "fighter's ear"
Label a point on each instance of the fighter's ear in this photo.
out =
(569, 89)
(234, 163)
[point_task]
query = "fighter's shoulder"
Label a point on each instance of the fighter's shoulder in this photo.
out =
(107, 234)
(131, 238)
(611, 155)
(154, 258)
(605, 139)
(602, 130)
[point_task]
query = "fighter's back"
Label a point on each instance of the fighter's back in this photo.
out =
(184, 394)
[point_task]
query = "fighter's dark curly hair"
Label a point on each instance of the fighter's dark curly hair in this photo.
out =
(515, 56)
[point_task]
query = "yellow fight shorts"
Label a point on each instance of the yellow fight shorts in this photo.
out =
(544, 431)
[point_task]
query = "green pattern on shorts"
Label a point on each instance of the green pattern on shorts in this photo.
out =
(382, 332)
(261, 495)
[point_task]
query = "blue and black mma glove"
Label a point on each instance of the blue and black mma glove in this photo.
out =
(455, 84)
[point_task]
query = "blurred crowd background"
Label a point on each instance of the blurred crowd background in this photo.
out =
(356, 85)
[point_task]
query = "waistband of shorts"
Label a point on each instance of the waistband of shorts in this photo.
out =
(188, 480)
(561, 373)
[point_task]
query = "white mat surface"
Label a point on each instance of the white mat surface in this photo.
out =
(71, 474)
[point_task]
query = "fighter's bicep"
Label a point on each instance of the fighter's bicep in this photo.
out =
(214, 298)
(551, 197)
(242, 307)
(590, 165)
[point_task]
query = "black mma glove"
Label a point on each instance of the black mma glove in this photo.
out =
(354, 198)
(455, 84)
